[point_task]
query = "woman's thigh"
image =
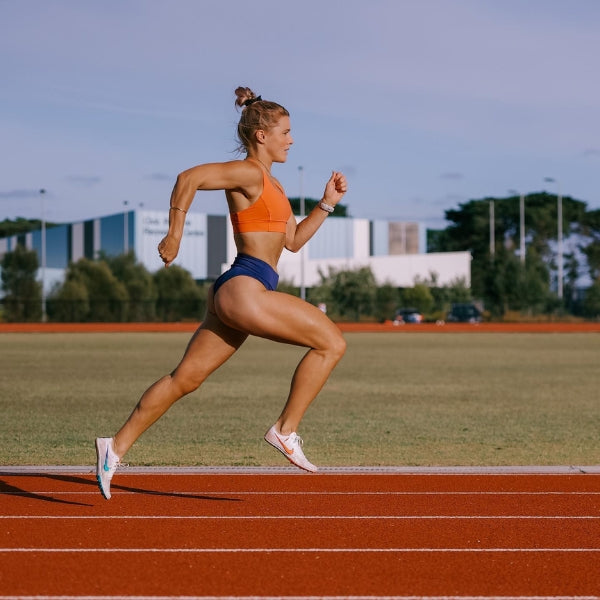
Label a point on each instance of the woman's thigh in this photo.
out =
(211, 345)
(244, 304)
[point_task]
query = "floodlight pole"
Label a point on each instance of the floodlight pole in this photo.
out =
(521, 224)
(43, 253)
(125, 229)
(559, 219)
(302, 211)
(522, 227)
(492, 230)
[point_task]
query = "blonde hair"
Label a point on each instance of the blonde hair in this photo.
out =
(256, 114)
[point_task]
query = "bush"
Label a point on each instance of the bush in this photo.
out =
(23, 294)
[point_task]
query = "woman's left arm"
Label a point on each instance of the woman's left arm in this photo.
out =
(298, 234)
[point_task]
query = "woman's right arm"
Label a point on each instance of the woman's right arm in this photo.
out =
(235, 175)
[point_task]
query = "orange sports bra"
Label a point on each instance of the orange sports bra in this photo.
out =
(270, 212)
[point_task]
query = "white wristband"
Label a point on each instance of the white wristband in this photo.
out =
(326, 207)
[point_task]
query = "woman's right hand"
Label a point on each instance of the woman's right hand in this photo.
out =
(168, 248)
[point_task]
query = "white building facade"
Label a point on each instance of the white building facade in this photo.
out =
(394, 251)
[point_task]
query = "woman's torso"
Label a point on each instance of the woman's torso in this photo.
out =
(259, 228)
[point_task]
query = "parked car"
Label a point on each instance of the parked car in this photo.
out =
(408, 315)
(464, 313)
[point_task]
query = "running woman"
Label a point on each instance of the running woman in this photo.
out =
(243, 301)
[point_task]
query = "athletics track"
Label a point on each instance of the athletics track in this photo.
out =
(401, 533)
(397, 533)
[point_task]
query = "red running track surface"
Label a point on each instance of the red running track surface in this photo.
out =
(276, 535)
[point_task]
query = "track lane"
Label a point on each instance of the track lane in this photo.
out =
(306, 533)
(309, 573)
(301, 535)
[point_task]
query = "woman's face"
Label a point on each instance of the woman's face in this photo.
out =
(278, 139)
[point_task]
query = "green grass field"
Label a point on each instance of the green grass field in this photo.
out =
(395, 399)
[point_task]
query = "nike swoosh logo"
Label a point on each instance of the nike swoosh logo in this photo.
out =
(106, 467)
(287, 450)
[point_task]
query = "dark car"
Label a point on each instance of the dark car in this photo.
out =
(408, 315)
(464, 313)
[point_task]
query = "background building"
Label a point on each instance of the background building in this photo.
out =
(395, 251)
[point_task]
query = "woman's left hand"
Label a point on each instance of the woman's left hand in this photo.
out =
(335, 188)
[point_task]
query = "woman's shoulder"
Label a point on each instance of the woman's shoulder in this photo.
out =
(245, 176)
(246, 167)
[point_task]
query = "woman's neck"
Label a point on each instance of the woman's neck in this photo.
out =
(266, 165)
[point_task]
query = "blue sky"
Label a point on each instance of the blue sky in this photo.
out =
(422, 103)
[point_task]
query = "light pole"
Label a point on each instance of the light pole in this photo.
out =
(559, 219)
(125, 229)
(302, 211)
(43, 253)
(521, 224)
(492, 230)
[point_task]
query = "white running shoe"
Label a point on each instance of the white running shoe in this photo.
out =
(291, 447)
(107, 464)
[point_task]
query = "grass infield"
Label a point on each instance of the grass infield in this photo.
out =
(403, 400)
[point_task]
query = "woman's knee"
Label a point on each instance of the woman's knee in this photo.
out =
(186, 383)
(337, 346)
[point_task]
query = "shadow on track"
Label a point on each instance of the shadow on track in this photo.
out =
(6, 488)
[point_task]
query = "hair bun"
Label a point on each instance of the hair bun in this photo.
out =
(243, 94)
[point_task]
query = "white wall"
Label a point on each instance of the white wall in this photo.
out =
(152, 226)
(399, 270)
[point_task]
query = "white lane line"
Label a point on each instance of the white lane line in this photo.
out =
(286, 550)
(318, 517)
(218, 493)
(518, 470)
(121, 597)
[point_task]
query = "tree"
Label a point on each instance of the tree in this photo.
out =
(20, 225)
(591, 303)
(178, 295)
(591, 227)
(138, 282)
(533, 291)
(69, 303)
(348, 294)
(386, 302)
(497, 277)
(90, 293)
(419, 296)
(23, 294)
(457, 292)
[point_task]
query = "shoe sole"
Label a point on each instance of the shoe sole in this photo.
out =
(98, 467)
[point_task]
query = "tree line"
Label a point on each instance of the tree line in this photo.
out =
(506, 283)
(120, 289)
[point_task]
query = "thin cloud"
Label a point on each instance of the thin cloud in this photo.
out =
(85, 180)
(159, 177)
(591, 152)
(19, 194)
(453, 176)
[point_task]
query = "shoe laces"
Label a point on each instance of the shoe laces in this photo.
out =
(120, 464)
(296, 439)
(115, 463)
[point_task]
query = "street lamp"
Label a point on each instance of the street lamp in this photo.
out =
(43, 253)
(302, 211)
(492, 230)
(559, 219)
(125, 229)
(521, 223)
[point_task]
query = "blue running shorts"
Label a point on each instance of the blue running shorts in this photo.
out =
(245, 264)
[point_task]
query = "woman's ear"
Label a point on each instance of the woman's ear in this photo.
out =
(260, 136)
